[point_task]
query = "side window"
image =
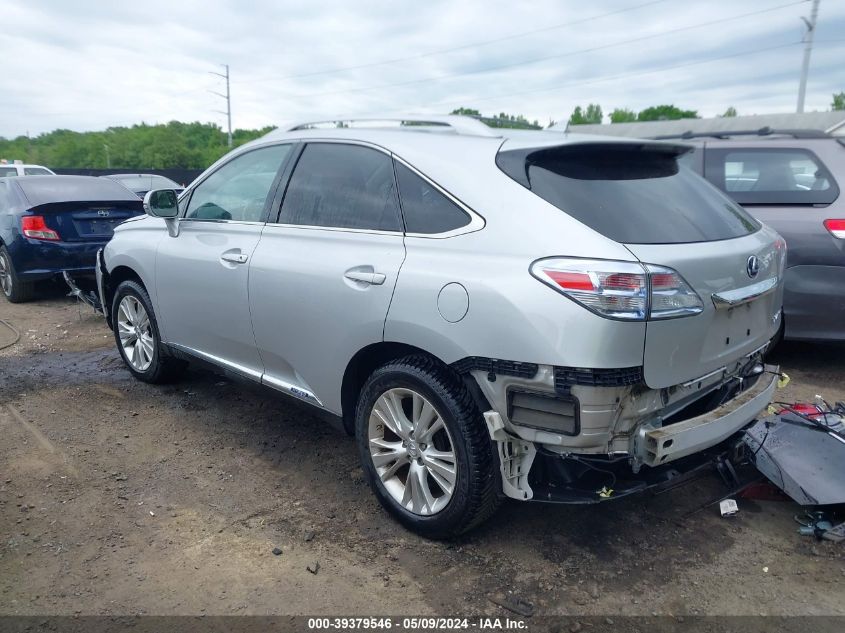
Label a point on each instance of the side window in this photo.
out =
(424, 208)
(238, 190)
(8, 171)
(342, 186)
(771, 176)
(35, 171)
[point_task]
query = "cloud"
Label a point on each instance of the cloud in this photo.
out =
(89, 65)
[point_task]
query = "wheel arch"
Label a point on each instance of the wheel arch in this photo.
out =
(373, 356)
(115, 277)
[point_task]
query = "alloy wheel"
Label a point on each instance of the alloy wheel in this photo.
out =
(5, 276)
(412, 451)
(135, 332)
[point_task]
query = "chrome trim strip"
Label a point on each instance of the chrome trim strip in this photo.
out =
(246, 371)
(739, 296)
(333, 228)
(690, 383)
(288, 388)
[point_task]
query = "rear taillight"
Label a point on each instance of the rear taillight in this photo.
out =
(836, 228)
(620, 290)
(33, 226)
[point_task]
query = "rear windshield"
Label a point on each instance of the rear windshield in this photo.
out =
(630, 193)
(45, 189)
(146, 183)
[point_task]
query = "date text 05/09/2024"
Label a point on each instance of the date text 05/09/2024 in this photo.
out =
(416, 624)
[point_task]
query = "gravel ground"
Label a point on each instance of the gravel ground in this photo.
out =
(118, 497)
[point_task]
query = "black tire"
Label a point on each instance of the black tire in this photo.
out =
(475, 492)
(15, 290)
(162, 367)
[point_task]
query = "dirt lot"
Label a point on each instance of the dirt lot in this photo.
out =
(118, 497)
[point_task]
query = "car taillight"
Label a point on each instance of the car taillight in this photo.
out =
(620, 290)
(34, 226)
(836, 228)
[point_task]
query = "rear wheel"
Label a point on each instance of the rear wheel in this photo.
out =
(425, 448)
(13, 288)
(137, 336)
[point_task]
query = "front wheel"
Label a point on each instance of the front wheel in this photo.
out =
(137, 336)
(425, 448)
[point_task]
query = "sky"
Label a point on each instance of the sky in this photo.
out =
(88, 65)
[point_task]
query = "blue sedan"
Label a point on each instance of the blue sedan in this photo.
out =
(55, 224)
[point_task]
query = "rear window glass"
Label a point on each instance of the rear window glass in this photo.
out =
(771, 176)
(342, 186)
(629, 193)
(44, 189)
(425, 209)
(146, 183)
(36, 171)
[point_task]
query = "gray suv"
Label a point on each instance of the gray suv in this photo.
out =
(788, 179)
(490, 313)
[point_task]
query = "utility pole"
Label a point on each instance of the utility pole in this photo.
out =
(228, 99)
(108, 157)
(808, 49)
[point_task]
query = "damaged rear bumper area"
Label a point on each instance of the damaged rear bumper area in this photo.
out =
(575, 442)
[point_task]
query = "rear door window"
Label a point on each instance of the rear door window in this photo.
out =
(771, 176)
(342, 186)
(36, 171)
(8, 171)
(630, 193)
(425, 209)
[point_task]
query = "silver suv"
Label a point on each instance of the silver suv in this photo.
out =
(491, 313)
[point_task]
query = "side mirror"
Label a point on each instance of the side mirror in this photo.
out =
(161, 203)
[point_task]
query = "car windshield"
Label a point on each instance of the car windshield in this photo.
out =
(629, 193)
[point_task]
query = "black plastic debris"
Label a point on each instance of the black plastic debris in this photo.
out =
(802, 455)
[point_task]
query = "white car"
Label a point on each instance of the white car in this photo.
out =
(19, 169)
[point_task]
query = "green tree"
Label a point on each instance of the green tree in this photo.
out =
(189, 145)
(501, 120)
(730, 112)
(466, 111)
(838, 102)
(592, 114)
(665, 113)
(622, 115)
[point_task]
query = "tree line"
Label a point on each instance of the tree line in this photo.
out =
(197, 145)
(186, 145)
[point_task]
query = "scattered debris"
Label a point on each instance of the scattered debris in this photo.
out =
(514, 604)
(309, 536)
(802, 451)
(277, 551)
(728, 507)
(313, 567)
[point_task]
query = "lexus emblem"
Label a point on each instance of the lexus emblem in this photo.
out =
(103, 213)
(752, 266)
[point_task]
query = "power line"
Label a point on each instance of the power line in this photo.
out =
(547, 57)
(623, 75)
(443, 51)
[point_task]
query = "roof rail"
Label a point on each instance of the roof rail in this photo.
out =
(458, 123)
(763, 131)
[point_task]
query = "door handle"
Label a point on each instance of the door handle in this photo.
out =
(374, 279)
(235, 258)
